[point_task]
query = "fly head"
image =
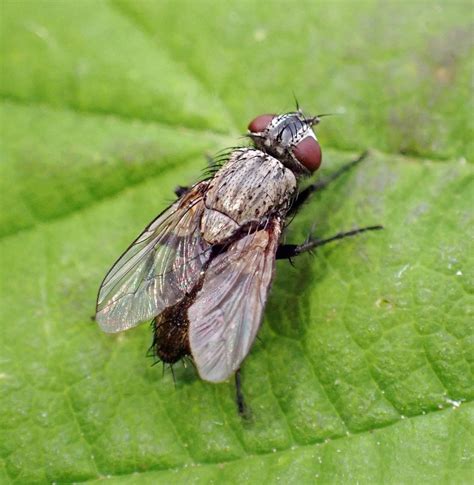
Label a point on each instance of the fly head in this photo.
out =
(289, 138)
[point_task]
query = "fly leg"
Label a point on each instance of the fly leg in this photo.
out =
(239, 396)
(322, 184)
(180, 190)
(288, 251)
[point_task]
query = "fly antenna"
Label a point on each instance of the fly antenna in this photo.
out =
(314, 120)
(328, 114)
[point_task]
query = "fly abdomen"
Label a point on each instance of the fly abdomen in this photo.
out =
(170, 330)
(170, 334)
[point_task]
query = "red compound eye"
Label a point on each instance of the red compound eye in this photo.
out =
(259, 124)
(308, 153)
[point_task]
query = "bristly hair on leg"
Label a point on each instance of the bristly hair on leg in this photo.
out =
(286, 251)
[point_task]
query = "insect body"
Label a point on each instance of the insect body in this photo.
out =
(203, 268)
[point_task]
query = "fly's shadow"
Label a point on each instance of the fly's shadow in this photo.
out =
(291, 299)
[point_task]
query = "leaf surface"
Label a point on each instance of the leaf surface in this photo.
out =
(364, 368)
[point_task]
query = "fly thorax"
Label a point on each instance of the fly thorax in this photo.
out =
(251, 186)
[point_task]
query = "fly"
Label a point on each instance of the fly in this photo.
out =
(202, 270)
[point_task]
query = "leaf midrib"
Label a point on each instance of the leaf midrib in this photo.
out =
(163, 170)
(413, 156)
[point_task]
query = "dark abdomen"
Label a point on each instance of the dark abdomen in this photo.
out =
(170, 334)
(170, 330)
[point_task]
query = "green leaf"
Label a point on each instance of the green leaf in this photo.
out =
(364, 369)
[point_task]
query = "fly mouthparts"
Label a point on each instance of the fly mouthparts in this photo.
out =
(249, 134)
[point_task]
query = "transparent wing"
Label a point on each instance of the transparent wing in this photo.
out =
(158, 269)
(225, 318)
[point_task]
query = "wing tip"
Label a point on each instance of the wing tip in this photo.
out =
(105, 325)
(215, 378)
